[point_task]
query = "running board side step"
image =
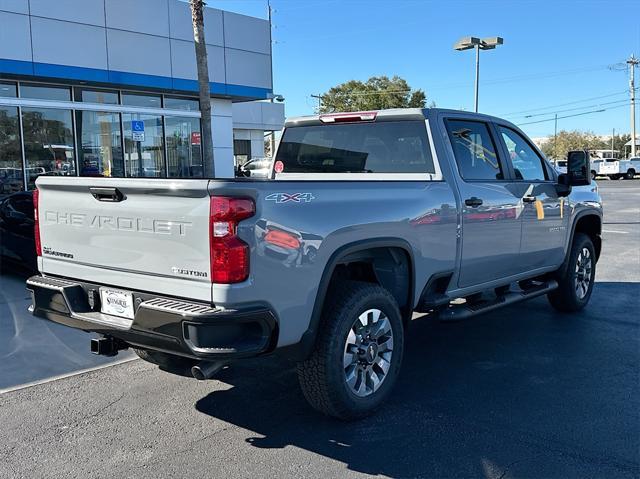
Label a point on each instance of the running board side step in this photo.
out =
(459, 312)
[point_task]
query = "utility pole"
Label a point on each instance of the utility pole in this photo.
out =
(319, 97)
(633, 62)
(555, 138)
(612, 136)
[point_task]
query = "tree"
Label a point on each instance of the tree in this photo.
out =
(377, 93)
(197, 19)
(565, 141)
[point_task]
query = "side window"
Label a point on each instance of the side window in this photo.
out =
(527, 164)
(474, 150)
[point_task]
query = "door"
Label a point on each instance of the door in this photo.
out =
(545, 215)
(491, 224)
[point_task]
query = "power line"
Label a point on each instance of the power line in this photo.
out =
(571, 116)
(520, 78)
(623, 92)
(578, 108)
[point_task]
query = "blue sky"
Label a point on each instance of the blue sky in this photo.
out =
(555, 54)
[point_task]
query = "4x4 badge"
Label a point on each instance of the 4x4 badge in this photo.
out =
(287, 197)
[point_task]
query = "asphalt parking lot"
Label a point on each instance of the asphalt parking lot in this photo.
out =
(33, 350)
(521, 392)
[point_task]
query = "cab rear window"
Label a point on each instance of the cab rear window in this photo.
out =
(380, 147)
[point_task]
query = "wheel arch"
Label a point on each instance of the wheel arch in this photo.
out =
(587, 222)
(381, 253)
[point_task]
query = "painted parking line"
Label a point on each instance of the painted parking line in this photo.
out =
(616, 231)
(66, 375)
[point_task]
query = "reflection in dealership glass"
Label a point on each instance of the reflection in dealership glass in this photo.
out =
(48, 143)
(16, 229)
(492, 213)
(256, 168)
(445, 214)
(100, 149)
(292, 247)
(10, 181)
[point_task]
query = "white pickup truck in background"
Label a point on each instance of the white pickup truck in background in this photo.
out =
(629, 168)
(606, 167)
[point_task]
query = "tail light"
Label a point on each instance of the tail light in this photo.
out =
(36, 222)
(229, 254)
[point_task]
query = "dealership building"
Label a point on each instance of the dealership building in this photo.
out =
(109, 88)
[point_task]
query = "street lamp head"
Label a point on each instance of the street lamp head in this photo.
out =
(466, 43)
(490, 43)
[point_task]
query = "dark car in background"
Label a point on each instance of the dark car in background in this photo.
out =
(17, 243)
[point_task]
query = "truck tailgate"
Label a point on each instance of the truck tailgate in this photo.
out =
(155, 238)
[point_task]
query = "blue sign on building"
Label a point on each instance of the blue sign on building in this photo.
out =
(137, 130)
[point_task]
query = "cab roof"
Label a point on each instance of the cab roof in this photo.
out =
(392, 114)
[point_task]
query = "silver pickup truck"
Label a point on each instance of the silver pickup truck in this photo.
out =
(367, 218)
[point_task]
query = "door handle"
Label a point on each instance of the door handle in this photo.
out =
(473, 202)
(529, 199)
(113, 195)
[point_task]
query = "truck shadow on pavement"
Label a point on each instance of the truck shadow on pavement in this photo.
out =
(523, 390)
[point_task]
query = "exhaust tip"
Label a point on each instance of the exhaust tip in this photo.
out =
(197, 373)
(207, 369)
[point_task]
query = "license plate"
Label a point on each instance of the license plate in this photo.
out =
(116, 302)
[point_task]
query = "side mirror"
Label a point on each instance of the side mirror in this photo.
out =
(578, 168)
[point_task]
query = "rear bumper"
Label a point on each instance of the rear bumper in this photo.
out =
(175, 326)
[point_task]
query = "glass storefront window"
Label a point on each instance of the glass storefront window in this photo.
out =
(8, 89)
(99, 144)
(241, 152)
(96, 96)
(42, 92)
(10, 154)
(143, 145)
(184, 151)
(177, 103)
(140, 99)
(48, 143)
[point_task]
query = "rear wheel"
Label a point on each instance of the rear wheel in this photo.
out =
(593, 175)
(575, 284)
(358, 352)
(631, 174)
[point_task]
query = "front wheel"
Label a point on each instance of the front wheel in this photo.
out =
(631, 174)
(593, 175)
(358, 352)
(575, 284)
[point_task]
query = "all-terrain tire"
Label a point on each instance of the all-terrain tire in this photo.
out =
(573, 292)
(323, 376)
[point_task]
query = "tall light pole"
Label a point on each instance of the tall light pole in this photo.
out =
(478, 44)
